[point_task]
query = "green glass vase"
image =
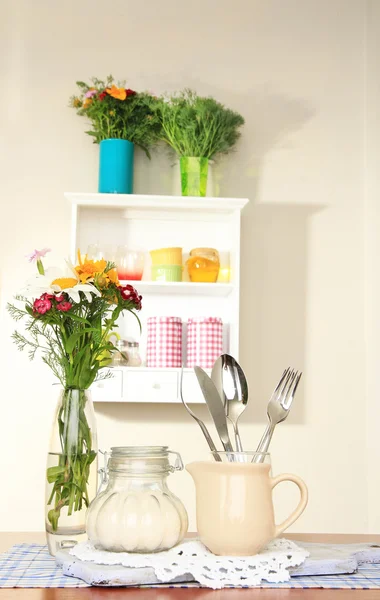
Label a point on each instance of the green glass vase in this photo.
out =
(194, 172)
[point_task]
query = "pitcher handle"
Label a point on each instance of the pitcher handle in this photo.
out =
(301, 505)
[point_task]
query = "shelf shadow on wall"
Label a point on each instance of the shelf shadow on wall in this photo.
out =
(273, 319)
(274, 256)
(272, 121)
(273, 304)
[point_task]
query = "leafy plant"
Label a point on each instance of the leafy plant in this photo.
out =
(195, 126)
(115, 111)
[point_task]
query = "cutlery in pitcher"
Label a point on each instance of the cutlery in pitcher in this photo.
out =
(232, 385)
(278, 408)
(215, 406)
(203, 427)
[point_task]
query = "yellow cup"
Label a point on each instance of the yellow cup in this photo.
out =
(166, 256)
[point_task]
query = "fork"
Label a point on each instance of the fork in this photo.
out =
(278, 408)
(203, 427)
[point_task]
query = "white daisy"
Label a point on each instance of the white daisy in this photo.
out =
(56, 282)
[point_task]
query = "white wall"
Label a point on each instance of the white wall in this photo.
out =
(372, 263)
(296, 71)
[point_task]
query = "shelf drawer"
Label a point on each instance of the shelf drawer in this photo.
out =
(159, 386)
(108, 390)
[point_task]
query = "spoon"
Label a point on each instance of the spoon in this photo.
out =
(232, 386)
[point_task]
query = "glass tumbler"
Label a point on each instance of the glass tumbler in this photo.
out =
(130, 264)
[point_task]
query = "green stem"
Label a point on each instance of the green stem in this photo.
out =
(71, 477)
(40, 267)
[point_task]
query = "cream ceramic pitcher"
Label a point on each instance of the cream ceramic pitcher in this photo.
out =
(235, 514)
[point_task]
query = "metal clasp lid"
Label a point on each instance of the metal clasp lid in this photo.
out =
(178, 465)
(103, 471)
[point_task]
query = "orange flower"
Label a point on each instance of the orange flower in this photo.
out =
(87, 269)
(87, 102)
(118, 93)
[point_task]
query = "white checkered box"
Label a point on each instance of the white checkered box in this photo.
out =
(204, 341)
(164, 342)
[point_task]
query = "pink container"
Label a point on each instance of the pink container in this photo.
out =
(164, 345)
(204, 341)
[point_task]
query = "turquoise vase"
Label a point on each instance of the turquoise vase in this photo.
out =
(116, 167)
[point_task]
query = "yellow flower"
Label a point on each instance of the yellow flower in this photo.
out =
(103, 279)
(65, 282)
(77, 102)
(87, 102)
(87, 269)
(112, 113)
(112, 276)
(118, 93)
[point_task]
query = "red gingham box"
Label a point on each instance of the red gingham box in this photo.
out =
(164, 344)
(204, 341)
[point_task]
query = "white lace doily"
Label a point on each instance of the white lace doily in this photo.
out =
(192, 557)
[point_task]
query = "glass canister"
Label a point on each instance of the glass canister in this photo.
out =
(120, 354)
(137, 512)
(133, 353)
(203, 265)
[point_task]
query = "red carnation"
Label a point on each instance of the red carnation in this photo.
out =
(64, 306)
(47, 296)
(128, 292)
(130, 93)
(102, 95)
(42, 305)
(59, 298)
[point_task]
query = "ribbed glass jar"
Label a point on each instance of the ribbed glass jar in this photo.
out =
(137, 512)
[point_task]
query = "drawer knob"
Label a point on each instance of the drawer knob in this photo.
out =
(156, 386)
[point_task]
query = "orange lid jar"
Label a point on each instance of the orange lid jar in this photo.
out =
(203, 265)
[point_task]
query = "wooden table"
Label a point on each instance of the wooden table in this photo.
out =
(8, 539)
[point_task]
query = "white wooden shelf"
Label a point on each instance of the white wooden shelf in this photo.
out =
(207, 204)
(183, 288)
(148, 222)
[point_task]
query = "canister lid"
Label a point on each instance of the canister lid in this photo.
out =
(143, 460)
(196, 251)
(205, 320)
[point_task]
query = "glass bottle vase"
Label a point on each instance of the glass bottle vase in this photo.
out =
(194, 172)
(71, 476)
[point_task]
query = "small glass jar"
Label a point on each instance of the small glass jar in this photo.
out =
(120, 355)
(134, 358)
(137, 512)
(203, 265)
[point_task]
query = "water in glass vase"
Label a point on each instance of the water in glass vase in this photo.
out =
(71, 526)
(71, 475)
